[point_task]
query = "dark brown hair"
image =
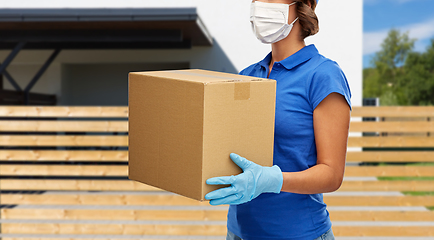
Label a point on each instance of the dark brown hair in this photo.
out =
(307, 17)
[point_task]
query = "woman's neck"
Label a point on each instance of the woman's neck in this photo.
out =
(283, 49)
(288, 46)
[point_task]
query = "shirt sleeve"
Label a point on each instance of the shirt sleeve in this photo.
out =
(248, 70)
(242, 72)
(328, 78)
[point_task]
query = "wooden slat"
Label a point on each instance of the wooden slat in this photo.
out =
(393, 112)
(105, 214)
(409, 126)
(191, 230)
(122, 126)
(93, 199)
(63, 170)
(422, 186)
(57, 111)
(177, 200)
(63, 126)
(93, 155)
(87, 238)
(390, 156)
(390, 171)
(83, 141)
(32, 237)
(61, 155)
(387, 216)
(74, 185)
(383, 231)
(127, 185)
(391, 142)
(404, 201)
(123, 141)
(105, 170)
(196, 215)
(114, 229)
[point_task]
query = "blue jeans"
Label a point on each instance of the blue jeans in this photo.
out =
(232, 236)
(326, 236)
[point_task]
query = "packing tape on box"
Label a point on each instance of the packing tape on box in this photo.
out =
(242, 90)
(242, 87)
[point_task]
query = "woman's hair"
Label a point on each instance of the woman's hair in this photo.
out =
(307, 17)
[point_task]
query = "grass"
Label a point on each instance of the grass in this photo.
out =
(431, 208)
(407, 164)
(405, 178)
(419, 193)
(421, 164)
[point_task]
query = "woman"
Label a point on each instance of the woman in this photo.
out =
(311, 131)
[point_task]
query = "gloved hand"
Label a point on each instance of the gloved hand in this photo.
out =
(246, 186)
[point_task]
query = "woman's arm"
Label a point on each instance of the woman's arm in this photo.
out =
(331, 123)
(331, 120)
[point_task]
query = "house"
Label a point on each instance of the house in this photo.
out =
(80, 52)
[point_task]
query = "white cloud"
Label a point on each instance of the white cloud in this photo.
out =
(373, 2)
(421, 30)
(372, 40)
(405, 1)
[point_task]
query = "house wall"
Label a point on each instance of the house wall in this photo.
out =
(235, 46)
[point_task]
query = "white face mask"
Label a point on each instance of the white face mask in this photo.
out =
(270, 21)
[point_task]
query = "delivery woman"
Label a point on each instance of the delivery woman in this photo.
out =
(313, 107)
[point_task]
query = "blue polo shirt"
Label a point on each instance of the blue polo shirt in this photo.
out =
(303, 80)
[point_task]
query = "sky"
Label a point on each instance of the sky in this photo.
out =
(379, 16)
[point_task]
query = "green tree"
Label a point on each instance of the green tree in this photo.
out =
(401, 76)
(385, 79)
(388, 62)
(394, 51)
(419, 78)
(371, 83)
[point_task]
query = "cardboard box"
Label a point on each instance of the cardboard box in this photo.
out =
(184, 124)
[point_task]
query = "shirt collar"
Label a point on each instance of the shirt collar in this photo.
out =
(266, 61)
(303, 55)
(295, 59)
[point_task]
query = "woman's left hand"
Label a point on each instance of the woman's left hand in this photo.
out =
(246, 186)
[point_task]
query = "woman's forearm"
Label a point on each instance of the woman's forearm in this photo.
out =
(331, 124)
(320, 178)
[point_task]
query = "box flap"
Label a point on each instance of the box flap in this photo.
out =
(203, 76)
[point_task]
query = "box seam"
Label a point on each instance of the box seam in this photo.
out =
(202, 192)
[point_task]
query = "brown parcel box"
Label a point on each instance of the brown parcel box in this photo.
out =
(184, 124)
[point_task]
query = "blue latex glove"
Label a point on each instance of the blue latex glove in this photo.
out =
(246, 186)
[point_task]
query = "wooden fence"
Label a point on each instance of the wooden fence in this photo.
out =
(63, 174)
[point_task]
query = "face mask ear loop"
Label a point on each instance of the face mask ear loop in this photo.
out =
(297, 17)
(294, 21)
(292, 3)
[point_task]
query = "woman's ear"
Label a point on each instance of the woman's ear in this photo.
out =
(310, 3)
